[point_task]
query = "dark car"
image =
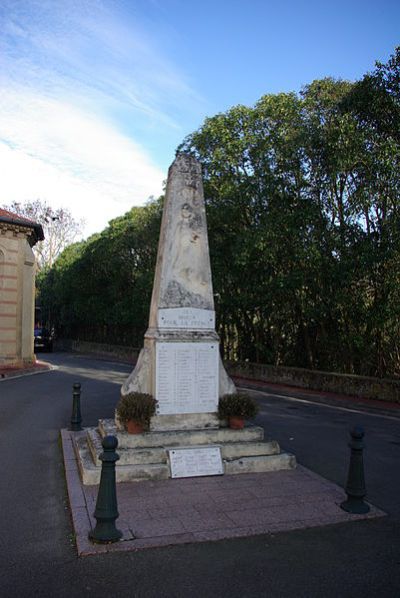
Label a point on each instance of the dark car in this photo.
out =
(43, 339)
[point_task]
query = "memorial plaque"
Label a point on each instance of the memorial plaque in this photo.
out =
(188, 318)
(194, 462)
(187, 377)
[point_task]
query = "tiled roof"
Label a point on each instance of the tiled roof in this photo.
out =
(14, 217)
(10, 217)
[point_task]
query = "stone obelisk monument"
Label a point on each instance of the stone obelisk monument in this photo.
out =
(180, 364)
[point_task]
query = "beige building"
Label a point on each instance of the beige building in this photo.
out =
(17, 288)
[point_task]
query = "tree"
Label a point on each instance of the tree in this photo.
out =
(374, 103)
(100, 289)
(59, 226)
(302, 192)
(302, 196)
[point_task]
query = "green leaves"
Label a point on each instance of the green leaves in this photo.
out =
(302, 198)
(100, 289)
(302, 194)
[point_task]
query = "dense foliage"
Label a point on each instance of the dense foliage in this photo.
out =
(302, 195)
(136, 406)
(100, 289)
(237, 405)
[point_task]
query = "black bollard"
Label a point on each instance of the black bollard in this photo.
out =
(355, 487)
(76, 418)
(106, 511)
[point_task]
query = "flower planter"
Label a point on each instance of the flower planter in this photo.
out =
(236, 423)
(134, 427)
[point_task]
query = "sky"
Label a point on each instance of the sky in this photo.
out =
(96, 95)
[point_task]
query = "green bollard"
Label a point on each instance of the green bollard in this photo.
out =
(355, 487)
(106, 511)
(76, 418)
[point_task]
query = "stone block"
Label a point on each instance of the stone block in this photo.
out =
(9, 283)
(259, 464)
(181, 437)
(127, 456)
(237, 450)
(187, 421)
(8, 334)
(7, 321)
(8, 309)
(90, 473)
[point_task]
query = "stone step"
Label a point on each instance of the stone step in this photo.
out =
(260, 464)
(140, 464)
(236, 450)
(188, 421)
(176, 438)
(136, 456)
(90, 473)
(140, 456)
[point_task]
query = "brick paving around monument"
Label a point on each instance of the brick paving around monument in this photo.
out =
(168, 512)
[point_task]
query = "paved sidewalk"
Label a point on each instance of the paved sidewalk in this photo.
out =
(14, 371)
(168, 512)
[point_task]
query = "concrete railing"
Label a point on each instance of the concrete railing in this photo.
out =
(359, 386)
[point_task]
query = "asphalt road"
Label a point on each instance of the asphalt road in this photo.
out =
(38, 557)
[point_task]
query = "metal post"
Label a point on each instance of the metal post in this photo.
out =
(355, 487)
(76, 418)
(106, 511)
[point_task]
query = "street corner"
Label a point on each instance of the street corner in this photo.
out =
(39, 367)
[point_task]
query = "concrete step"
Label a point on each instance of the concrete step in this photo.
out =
(260, 464)
(136, 456)
(152, 462)
(141, 456)
(176, 438)
(236, 450)
(187, 421)
(90, 473)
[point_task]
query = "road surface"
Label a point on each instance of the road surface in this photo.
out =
(38, 557)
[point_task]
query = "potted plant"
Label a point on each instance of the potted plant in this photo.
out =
(236, 408)
(135, 410)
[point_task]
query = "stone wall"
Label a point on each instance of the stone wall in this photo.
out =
(17, 287)
(118, 352)
(358, 386)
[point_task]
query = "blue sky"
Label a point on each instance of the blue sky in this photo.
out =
(97, 94)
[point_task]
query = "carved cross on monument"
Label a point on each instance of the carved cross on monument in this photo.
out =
(180, 364)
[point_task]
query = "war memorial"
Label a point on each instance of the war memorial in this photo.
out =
(171, 482)
(180, 364)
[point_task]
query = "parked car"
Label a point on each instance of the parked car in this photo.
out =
(43, 339)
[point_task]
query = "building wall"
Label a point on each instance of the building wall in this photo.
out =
(28, 304)
(17, 275)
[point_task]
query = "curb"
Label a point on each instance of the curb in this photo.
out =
(319, 397)
(6, 374)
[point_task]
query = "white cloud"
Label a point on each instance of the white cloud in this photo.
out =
(69, 158)
(79, 83)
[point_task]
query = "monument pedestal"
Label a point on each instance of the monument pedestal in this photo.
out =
(146, 456)
(183, 370)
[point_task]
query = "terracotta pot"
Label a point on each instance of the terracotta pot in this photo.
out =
(134, 427)
(236, 422)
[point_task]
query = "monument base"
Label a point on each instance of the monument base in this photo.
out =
(146, 456)
(185, 421)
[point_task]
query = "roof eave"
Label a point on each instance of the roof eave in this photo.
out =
(35, 227)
